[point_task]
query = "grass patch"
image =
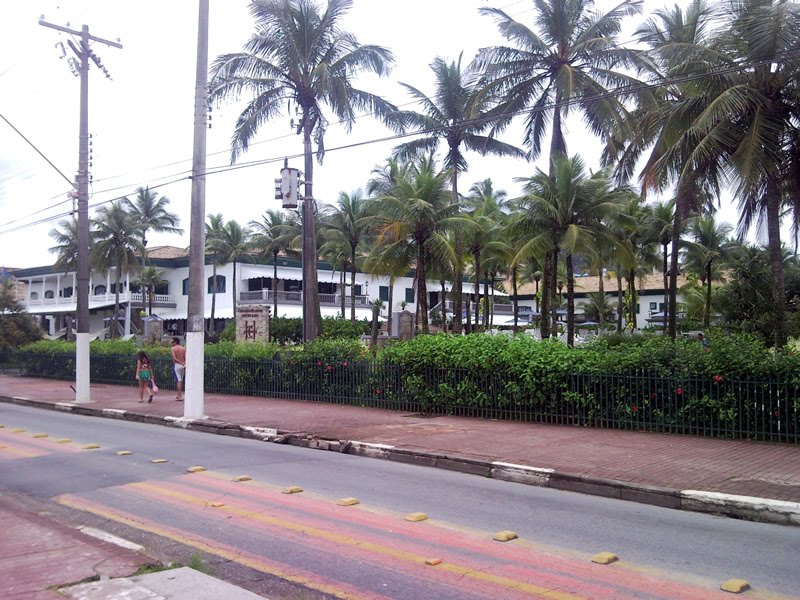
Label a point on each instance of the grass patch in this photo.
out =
(155, 568)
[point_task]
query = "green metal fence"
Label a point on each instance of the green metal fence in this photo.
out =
(641, 400)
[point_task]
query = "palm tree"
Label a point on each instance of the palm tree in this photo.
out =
(564, 212)
(271, 236)
(117, 242)
(149, 279)
(413, 218)
(455, 113)
(571, 54)
(233, 242)
(151, 213)
(708, 244)
(66, 248)
(662, 219)
(214, 226)
(661, 124)
(347, 221)
(300, 53)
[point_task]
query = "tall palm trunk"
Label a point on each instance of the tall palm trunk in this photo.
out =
(458, 243)
(558, 146)
(443, 304)
(634, 301)
(487, 321)
(114, 329)
(390, 318)
(233, 289)
(274, 283)
(422, 291)
(353, 283)
(343, 288)
(620, 303)
(570, 302)
(544, 307)
(514, 300)
(554, 289)
(776, 263)
(707, 314)
(682, 200)
(312, 317)
(601, 288)
(666, 289)
(478, 293)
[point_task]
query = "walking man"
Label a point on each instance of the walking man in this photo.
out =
(179, 365)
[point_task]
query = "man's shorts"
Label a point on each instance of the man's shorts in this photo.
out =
(180, 370)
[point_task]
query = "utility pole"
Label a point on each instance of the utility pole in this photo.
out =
(193, 407)
(83, 54)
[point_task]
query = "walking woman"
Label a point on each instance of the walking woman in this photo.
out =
(144, 375)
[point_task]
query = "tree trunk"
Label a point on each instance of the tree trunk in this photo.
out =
(352, 283)
(376, 311)
(457, 241)
(468, 322)
(601, 288)
(343, 290)
(478, 293)
(570, 302)
(113, 330)
(422, 291)
(514, 300)
(150, 292)
(620, 303)
(558, 146)
(634, 300)
(233, 289)
(442, 304)
(390, 318)
(312, 317)
(544, 308)
(487, 322)
(666, 290)
(707, 315)
(681, 201)
(554, 289)
(274, 286)
(776, 263)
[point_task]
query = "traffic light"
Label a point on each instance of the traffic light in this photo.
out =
(286, 187)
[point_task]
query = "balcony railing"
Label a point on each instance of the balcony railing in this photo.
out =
(268, 296)
(135, 297)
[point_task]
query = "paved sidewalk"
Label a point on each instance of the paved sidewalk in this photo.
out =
(581, 455)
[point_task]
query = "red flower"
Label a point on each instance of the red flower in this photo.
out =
(634, 408)
(776, 413)
(344, 364)
(717, 378)
(679, 391)
(329, 368)
(378, 392)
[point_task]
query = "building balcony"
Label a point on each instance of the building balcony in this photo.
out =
(268, 296)
(100, 300)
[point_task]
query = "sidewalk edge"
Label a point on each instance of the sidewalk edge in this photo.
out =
(739, 507)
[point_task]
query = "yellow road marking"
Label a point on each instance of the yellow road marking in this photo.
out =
(18, 430)
(90, 446)
(63, 441)
(40, 435)
(253, 563)
(346, 540)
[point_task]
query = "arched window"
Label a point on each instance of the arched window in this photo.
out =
(34, 295)
(99, 290)
(220, 287)
(49, 295)
(186, 287)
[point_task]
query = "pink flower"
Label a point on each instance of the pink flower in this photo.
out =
(717, 378)
(679, 391)
(329, 368)
(344, 364)
(378, 392)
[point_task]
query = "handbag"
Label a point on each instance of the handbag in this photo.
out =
(155, 387)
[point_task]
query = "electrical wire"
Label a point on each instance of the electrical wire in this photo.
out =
(39, 152)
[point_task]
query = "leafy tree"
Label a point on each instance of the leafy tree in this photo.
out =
(231, 243)
(16, 326)
(456, 114)
(703, 254)
(271, 236)
(149, 279)
(151, 213)
(214, 226)
(66, 248)
(117, 242)
(301, 53)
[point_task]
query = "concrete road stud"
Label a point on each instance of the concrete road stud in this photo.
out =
(90, 446)
(158, 461)
(63, 441)
(18, 430)
(347, 501)
(292, 490)
(239, 478)
(505, 536)
(605, 558)
(40, 435)
(124, 452)
(217, 504)
(432, 562)
(416, 517)
(735, 586)
(197, 469)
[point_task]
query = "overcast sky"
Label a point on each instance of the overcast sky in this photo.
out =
(141, 121)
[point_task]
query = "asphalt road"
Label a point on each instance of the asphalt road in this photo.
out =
(369, 550)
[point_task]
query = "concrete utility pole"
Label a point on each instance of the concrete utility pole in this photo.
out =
(193, 407)
(83, 53)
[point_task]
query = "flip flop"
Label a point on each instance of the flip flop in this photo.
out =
(151, 398)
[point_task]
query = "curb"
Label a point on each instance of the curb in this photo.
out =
(747, 508)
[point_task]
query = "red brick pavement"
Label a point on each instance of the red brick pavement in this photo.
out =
(671, 461)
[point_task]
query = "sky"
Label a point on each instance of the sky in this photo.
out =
(141, 121)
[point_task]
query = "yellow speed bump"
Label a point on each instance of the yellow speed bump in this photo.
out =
(216, 504)
(124, 452)
(432, 562)
(416, 517)
(197, 469)
(91, 446)
(63, 441)
(605, 558)
(735, 586)
(292, 490)
(347, 501)
(40, 435)
(505, 536)
(18, 430)
(242, 478)
(158, 461)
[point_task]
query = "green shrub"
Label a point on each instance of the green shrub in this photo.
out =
(286, 330)
(337, 328)
(229, 333)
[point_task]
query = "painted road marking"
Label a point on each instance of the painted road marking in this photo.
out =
(90, 446)
(111, 538)
(39, 435)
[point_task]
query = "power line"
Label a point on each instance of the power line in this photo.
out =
(39, 152)
(620, 91)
